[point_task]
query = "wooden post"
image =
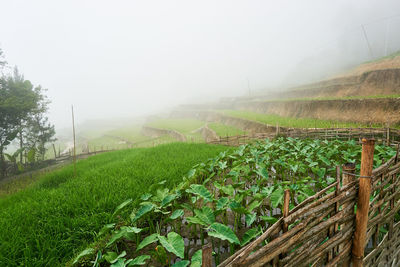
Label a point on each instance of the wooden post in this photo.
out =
(55, 152)
(286, 201)
(388, 136)
(73, 132)
(364, 191)
(206, 255)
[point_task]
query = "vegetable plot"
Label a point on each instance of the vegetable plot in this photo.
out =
(227, 201)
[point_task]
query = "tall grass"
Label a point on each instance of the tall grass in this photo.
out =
(225, 130)
(290, 121)
(45, 224)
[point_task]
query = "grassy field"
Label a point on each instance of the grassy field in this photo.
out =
(225, 130)
(289, 121)
(55, 217)
(183, 126)
(333, 98)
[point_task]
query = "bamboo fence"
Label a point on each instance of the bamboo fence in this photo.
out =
(354, 221)
(381, 135)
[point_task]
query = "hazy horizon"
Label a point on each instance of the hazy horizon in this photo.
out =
(131, 58)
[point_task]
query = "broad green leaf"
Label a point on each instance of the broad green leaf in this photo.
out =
(237, 207)
(146, 196)
(173, 243)
(223, 232)
(110, 256)
(120, 256)
(140, 260)
(253, 205)
(176, 214)
(183, 263)
(228, 189)
(105, 229)
(122, 205)
(201, 191)
(222, 203)
(250, 218)
(86, 252)
(142, 211)
(168, 200)
(206, 215)
(148, 240)
(262, 172)
(127, 232)
(249, 235)
(277, 197)
(197, 256)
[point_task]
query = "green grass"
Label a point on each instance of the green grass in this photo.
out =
(272, 119)
(56, 217)
(225, 130)
(183, 126)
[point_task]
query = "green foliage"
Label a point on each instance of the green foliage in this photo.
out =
(272, 119)
(58, 216)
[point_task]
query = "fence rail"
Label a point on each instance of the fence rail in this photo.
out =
(381, 135)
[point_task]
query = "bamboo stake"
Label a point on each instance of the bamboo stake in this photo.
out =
(73, 131)
(286, 209)
(55, 152)
(364, 191)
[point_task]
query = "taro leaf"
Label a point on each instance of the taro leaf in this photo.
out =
(200, 190)
(249, 235)
(168, 200)
(197, 259)
(105, 229)
(122, 205)
(195, 220)
(277, 197)
(266, 191)
(176, 214)
(237, 207)
(206, 215)
(86, 252)
(250, 218)
(140, 260)
(142, 211)
(120, 256)
(222, 165)
(253, 205)
(228, 189)
(223, 232)
(263, 172)
(148, 240)
(146, 196)
(222, 203)
(173, 243)
(160, 194)
(121, 263)
(191, 173)
(183, 263)
(126, 232)
(269, 219)
(110, 256)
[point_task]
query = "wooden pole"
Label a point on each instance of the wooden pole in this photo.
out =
(206, 255)
(364, 191)
(55, 152)
(286, 201)
(73, 132)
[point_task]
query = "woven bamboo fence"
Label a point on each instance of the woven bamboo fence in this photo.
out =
(354, 221)
(381, 135)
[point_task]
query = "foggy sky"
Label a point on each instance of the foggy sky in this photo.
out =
(130, 58)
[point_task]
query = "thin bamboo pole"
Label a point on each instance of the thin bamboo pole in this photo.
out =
(364, 191)
(73, 132)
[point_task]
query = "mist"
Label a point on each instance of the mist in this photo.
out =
(126, 59)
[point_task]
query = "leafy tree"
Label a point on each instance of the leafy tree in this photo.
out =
(22, 109)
